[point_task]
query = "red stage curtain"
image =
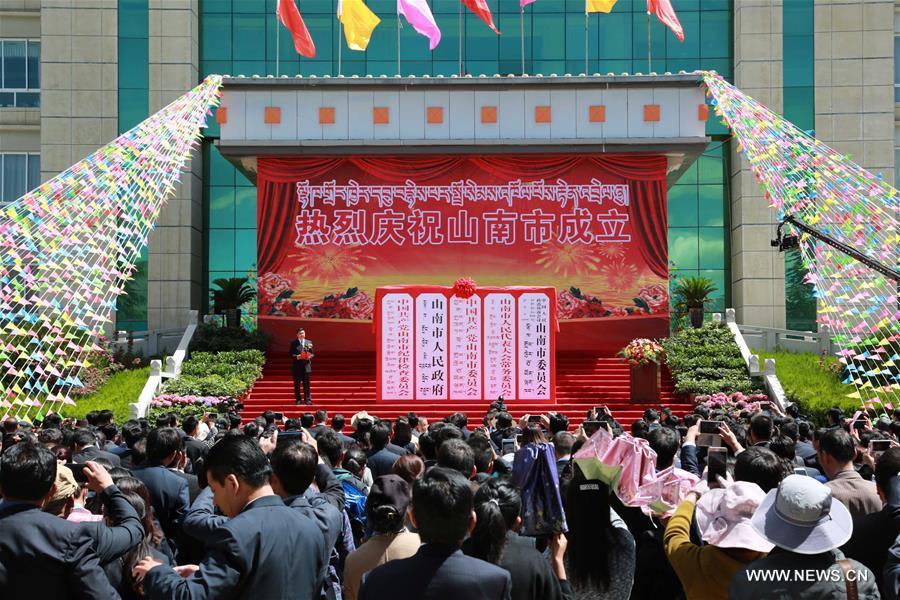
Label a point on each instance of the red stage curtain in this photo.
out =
(646, 175)
(649, 218)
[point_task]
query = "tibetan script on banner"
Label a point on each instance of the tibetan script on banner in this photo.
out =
(431, 346)
(397, 346)
(458, 193)
(465, 348)
(534, 347)
(499, 346)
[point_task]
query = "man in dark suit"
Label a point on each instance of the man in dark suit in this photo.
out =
(301, 355)
(41, 554)
(264, 550)
(169, 493)
(442, 513)
(381, 460)
(195, 450)
(84, 448)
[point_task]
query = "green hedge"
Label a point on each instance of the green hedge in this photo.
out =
(210, 338)
(707, 361)
(228, 374)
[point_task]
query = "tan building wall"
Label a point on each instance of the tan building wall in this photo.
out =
(176, 248)
(20, 128)
(757, 271)
(79, 80)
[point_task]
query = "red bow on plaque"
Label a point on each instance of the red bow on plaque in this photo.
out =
(464, 287)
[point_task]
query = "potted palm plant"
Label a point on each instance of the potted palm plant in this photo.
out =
(233, 292)
(693, 292)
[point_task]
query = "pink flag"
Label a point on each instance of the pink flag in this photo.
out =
(419, 16)
(666, 14)
(524, 3)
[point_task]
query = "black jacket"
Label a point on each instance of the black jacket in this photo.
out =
(532, 576)
(436, 572)
(169, 495)
(44, 556)
(268, 551)
(875, 533)
(382, 462)
(298, 366)
(93, 453)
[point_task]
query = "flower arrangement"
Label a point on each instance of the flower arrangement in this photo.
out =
(464, 287)
(642, 351)
(169, 400)
(573, 303)
(732, 404)
(278, 300)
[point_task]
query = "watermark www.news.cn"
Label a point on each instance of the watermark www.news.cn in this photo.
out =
(807, 575)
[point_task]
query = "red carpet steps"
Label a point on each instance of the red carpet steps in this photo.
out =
(345, 383)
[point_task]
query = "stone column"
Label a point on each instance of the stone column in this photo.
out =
(854, 64)
(757, 270)
(175, 257)
(79, 80)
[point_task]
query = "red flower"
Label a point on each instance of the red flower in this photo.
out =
(360, 306)
(464, 287)
(656, 296)
(566, 304)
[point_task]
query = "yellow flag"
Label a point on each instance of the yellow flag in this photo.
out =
(358, 22)
(596, 6)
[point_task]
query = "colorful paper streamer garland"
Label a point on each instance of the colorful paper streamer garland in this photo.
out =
(807, 179)
(68, 247)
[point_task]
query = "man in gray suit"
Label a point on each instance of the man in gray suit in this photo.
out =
(443, 515)
(264, 550)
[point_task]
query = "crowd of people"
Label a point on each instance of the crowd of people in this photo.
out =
(367, 508)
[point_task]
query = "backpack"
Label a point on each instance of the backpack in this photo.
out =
(355, 505)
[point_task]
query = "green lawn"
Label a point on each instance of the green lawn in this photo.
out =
(116, 394)
(814, 386)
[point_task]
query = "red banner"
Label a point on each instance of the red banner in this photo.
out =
(333, 229)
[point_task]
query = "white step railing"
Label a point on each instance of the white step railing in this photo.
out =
(773, 386)
(158, 375)
(771, 339)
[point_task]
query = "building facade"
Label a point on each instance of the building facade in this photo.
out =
(75, 73)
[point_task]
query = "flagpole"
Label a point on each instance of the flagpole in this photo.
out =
(398, 44)
(585, 37)
(340, 46)
(522, 33)
(277, 46)
(460, 39)
(649, 60)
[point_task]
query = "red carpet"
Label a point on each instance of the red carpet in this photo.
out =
(345, 383)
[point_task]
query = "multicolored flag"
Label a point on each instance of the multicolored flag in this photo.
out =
(666, 14)
(480, 8)
(419, 15)
(599, 6)
(359, 22)
(289, 15)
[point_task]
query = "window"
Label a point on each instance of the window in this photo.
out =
(896, 68)
(20, 73)
(19, 173)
